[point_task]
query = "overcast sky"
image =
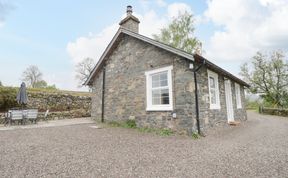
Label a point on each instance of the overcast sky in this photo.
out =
(55, 35)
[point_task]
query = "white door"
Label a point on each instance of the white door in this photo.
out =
(229, 102)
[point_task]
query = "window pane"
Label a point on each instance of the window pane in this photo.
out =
(163, 76)
(164, 96)
(155, 81)
(164, 83)
(213, 97)
(155, 78)
(160, 80)
(165, 100)
(156, 101)
(155, 84)
(164, 92)
(212, 82)
(156, 93)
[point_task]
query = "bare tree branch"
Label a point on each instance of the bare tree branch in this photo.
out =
(83, 70)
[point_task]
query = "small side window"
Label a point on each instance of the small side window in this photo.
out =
(213, 90)
(238, 96)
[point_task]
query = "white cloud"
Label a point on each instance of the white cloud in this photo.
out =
(178, 8)
(151, 23)
(247, 26)
(161, 3)
(5, 8)
(243, 27)
(93, 45)
(60, 80)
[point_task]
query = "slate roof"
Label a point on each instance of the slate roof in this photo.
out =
(193, 57)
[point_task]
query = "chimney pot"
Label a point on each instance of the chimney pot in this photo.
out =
(130, 22)
(129, 10)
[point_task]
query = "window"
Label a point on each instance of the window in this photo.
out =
(159, 89)
(213, 90)
(238, 96)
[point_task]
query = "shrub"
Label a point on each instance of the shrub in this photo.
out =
(8, 98)
(195, 135)
(274, 111)
(130, 124)
(252, 105)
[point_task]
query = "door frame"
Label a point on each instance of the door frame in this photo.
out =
(229, 100)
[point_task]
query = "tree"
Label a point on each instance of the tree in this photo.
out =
(51, 87)
(40, 84)
(179, 34)
(1, 84)
(268, 77)
(83, 70)
(43, 84)
(32, 76)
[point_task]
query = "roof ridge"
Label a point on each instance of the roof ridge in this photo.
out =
(177, 51)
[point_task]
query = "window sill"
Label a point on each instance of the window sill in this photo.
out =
(215, 107)
(159, 108)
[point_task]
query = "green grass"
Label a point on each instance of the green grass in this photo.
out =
(158, 131)
(47, 90)
(53, 91)
(132, 125)
(146, 129)
(126, 124)
(195, 135)
(114, 124)
(165, 132)
(252, 105)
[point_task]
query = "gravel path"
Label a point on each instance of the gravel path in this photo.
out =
(257, 148)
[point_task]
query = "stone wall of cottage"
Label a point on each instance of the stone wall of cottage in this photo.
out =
(240, 114)
(125, 89)
(96, 107)
(131, 25)
(125, 86)
(212, 117)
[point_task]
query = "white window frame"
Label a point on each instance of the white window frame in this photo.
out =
(149, 106)
(215, 76)
(238, 96)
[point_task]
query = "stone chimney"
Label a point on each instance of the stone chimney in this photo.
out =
(130, 22)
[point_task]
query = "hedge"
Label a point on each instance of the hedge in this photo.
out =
(8, 98)
(274, 111)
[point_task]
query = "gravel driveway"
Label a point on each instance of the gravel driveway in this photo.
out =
(256, 148)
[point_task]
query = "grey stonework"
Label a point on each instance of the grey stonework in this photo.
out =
(125, 89)
(211, 117)
(131, 25)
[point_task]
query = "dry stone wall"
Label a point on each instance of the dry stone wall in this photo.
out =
(58, 101)
(60, 104)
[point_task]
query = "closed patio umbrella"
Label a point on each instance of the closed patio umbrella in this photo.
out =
(22, 97)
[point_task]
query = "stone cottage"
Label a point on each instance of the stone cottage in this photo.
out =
(161, 86)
